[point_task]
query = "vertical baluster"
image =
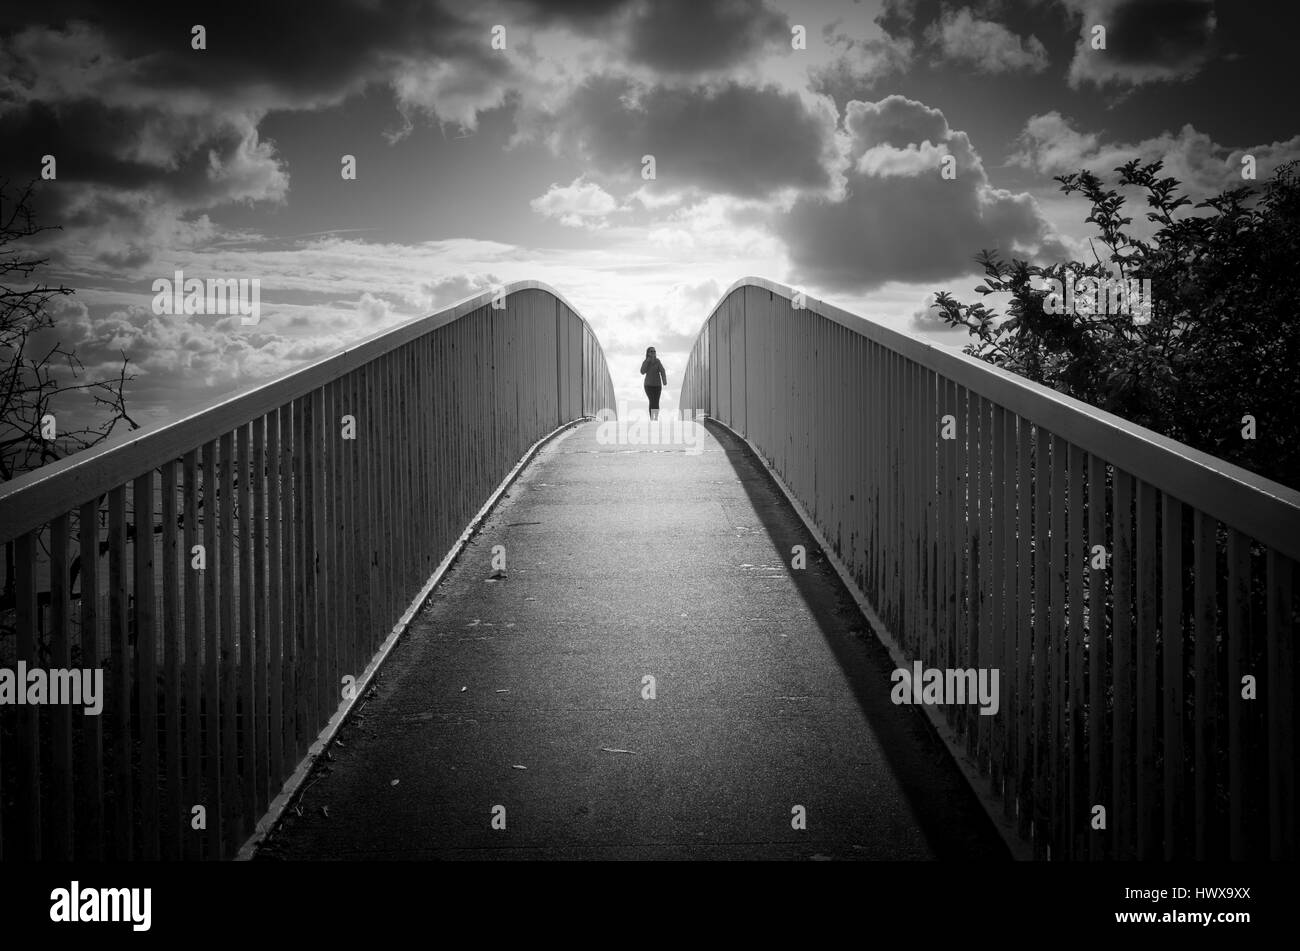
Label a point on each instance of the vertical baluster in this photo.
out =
(943, 523)
(193, 658)
(29, 801)
(1121, 815)
(290, 560)
(1171, 693)
(60, 794)
(146, 663)
(1026, 741)
(90, 840)
(214, 591)
(1238, 649)
(304, 611)
(1148, 674)
(245, 699)
(276, 582)
(1281, 707)
(259, 748)
(230, 792)
(1056, 643)
(1004, 483)
(965, 614)
(123, 800)
(329, 687)
(362, 525)
(1206, 709)
(373, 462)
(1076, 820)
(875, 429)
(1042, 635)
(1097, 667)
(407, 420)
(988, 645)
(344, 576)
(172, 825)
(908, 474)
(314, 532)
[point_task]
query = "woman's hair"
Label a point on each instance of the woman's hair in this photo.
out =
(648, 351)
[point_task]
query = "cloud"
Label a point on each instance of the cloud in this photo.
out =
(179, 362)
(1051, 144)
(578, 204)
(452, 93)
(988, 46)
(150, 134)
(687, 36)
(859, 64)
(374, 310)
(899, 219)
(929, 319)
(728, 138)
(1147, 41)
(440, 294)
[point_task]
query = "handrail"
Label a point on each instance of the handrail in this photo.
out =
(33, 498)
(1135, 594)
(262, 554)
(1266, 510)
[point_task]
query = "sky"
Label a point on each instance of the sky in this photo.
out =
(801, 141)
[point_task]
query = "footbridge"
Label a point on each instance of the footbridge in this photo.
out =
(428, 598)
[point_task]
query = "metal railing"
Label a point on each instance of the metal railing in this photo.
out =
(1152, 677)
(292, 526)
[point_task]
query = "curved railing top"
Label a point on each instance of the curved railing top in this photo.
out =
(33, 498)
(1266, 510)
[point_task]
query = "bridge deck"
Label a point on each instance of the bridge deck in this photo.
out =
(622, 562)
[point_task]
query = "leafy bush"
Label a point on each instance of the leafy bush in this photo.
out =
(1218, 344)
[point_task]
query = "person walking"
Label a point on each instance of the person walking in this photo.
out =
(655, 379)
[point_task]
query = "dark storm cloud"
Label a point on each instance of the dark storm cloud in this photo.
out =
(147, 130)
(900, 219)
(731, 139)
(295, 53)
(901, 18)
(978, 36)
(685, 36)
(584, 15)
(673, 36)
(1168, 32)
(1146, 40)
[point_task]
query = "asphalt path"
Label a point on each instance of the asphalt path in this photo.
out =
(515, 718)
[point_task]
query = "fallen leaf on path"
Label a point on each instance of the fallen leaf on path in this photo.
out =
(517, 766)
(394, 782)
